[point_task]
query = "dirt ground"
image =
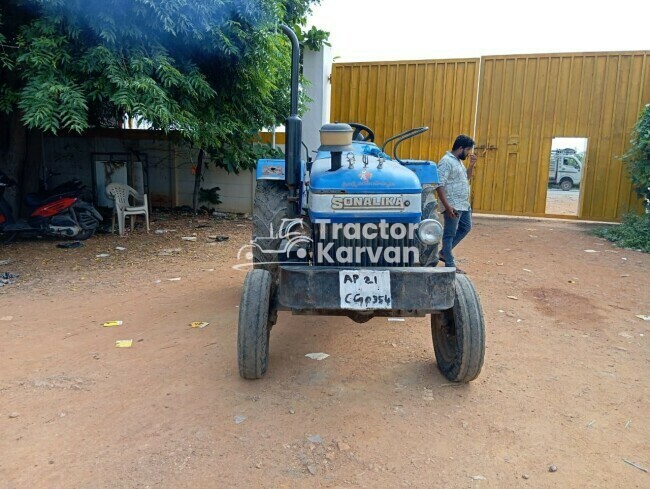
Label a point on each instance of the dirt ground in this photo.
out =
(563, 203)
(565, 380)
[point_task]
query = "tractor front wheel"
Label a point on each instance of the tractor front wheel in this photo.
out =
(459, 335)
(254, 325)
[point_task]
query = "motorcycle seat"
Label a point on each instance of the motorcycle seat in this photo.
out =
(37, 200)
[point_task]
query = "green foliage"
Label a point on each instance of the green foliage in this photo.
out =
(217, 71)
(234, 156)
(210, 195)
(5, 58)
(637, 157)
(314, 38)
(633, 232)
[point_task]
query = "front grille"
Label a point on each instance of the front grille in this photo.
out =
(324, 234)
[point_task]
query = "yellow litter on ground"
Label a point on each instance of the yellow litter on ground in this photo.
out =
(123, 343)
(110, 324)
(199, 324)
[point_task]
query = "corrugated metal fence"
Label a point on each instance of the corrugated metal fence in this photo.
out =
(523, 103)
(392, 97)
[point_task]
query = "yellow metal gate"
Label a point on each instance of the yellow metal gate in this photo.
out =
(391, 97)
(523, 103)
(526, 101)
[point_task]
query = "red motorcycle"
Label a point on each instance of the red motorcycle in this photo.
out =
(59, 212)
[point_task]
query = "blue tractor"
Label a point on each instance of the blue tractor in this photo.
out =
(352, 233)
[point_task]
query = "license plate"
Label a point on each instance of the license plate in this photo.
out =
(365, 289)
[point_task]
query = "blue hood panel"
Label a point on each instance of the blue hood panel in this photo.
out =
(392, 178)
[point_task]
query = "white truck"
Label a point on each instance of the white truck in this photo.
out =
(565, 169)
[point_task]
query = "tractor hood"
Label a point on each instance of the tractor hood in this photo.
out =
(363, 191)
(391, 178)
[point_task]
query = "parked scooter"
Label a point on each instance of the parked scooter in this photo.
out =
(59, 212)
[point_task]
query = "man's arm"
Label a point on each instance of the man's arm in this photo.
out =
(470, 168)
(443, 174)
(443, 198)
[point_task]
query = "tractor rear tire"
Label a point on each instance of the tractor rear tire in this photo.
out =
(459, 335)
(254, 328)
(271, 206)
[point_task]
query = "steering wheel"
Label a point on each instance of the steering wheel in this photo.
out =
(358, 128)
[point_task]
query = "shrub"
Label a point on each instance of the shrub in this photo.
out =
(637, 158)
(633, 232)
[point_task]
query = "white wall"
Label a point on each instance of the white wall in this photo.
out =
(236, 191)
(317, 69)
(71, 156)
(171, 181)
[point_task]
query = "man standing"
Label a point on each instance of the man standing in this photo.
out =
(453, 193)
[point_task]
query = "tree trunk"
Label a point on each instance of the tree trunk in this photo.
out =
(197, 181)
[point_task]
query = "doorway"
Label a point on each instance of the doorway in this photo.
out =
(565, 175)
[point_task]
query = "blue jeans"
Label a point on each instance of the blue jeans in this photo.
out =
(456, 228)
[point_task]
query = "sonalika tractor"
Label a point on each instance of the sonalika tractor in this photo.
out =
(352, 233)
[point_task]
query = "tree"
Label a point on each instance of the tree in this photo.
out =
(214, 71)
(637, 158)
(634, 230)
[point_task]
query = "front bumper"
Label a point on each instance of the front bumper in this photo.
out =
(414, 290)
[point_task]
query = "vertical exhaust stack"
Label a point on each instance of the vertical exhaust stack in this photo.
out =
(293, 127)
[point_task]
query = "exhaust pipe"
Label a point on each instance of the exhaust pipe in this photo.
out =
(293, 127)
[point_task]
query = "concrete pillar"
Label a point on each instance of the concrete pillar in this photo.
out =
(317, 68)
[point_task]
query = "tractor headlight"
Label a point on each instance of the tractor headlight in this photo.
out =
(430, 231)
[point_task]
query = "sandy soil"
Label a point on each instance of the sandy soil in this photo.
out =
(565, 380)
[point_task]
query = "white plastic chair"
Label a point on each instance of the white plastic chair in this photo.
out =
(120, 193)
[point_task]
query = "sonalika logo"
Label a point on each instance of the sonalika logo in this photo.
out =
(378, 202)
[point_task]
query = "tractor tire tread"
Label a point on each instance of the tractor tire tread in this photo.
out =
(269, 209)
(470, 335)
(253, 330)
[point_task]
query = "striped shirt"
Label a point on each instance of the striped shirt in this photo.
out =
(453, 176)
